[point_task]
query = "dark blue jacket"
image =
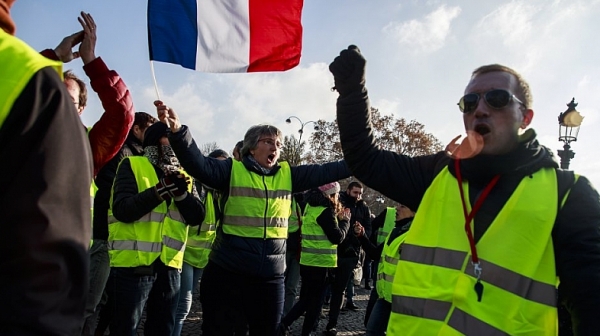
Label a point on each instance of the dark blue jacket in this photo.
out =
(257, 257)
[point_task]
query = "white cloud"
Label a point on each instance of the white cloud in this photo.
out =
(511, 22)
(222, 108)
(427, 35)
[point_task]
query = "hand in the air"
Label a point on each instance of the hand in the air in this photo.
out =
(348, 71)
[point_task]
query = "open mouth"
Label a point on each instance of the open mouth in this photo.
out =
(271, 158)
(482, 129)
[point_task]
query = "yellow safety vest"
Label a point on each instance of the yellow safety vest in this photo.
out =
(258, 206)
(388, 225)
(433, 290)
(19, 63)
(386, 269)
(294, 223)
(200, 238)
(159, 233)
(317, 250)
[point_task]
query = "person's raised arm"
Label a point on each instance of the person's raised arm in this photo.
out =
(212, 172)
(399, 177)
(109, 133)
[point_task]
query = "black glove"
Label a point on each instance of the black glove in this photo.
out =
(348, 71)
(173, 185)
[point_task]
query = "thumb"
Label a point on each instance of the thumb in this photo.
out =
(76, 54)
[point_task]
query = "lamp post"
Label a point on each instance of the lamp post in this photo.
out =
(569, 122)
(301, 131)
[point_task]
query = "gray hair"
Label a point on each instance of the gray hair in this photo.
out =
(255, 133)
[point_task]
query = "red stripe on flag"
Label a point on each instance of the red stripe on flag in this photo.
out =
(275, 34)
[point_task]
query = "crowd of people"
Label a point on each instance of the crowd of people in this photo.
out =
(102, 223)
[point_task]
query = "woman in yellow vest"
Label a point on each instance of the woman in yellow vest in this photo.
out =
(388, 253)
(247, 262)
(324, 225)
(153, 202)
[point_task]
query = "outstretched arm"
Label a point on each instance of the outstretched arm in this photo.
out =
(212, 172)
(402, 178)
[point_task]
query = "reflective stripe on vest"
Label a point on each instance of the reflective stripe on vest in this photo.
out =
(200, 239)
(388, 225)
(433, 290)
(258, 206)
(317, 250)
(159, 233)
(19, 63)
(386, 269)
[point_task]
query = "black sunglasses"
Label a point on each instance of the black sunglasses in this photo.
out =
(496, 99)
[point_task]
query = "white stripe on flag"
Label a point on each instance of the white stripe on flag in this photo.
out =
(223, 36)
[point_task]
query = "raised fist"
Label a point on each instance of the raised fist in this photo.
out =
(348, 71)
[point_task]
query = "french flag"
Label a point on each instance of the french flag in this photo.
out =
(226, 35)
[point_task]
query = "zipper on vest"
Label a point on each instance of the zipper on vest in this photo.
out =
(266, 209)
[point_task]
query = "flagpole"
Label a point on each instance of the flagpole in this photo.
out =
(154, 78)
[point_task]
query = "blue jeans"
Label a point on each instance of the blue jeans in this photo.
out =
(99, 271)
(228, 298)
(189, 280)
(129, 288)
(292, 277)
(379, 318)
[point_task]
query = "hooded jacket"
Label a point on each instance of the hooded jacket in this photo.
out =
(254, 257)
(405, 179)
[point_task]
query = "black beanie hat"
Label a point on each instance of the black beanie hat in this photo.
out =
(153, 134)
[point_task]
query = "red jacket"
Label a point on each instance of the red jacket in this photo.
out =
(109, 133)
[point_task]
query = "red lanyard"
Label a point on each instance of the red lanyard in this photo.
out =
(469, 218)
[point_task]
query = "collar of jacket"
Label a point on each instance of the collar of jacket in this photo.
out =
(134, 144)
(348, 201)
(250, 165)
(526, 159)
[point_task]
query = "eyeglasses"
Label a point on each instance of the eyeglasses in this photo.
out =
(496, 99)
(271, 142)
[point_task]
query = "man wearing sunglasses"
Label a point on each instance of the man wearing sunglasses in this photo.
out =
(498, 223)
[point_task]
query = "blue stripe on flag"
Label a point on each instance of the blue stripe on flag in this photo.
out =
(173, 31)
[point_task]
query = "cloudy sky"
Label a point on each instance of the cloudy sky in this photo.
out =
(420, 54)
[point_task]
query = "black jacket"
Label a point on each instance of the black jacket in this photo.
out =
(335, 230)
(104, 182)
(576, 233)
(373, 251)
(256, 257)
(130, 204)
(45, 206)
(361, 213)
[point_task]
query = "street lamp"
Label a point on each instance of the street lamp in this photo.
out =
(301, 130)
(296, 156)
(568, 128)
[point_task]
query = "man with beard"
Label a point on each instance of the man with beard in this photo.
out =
(498, 223)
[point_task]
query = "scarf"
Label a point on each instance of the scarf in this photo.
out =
(258, 166)
(168, 161)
